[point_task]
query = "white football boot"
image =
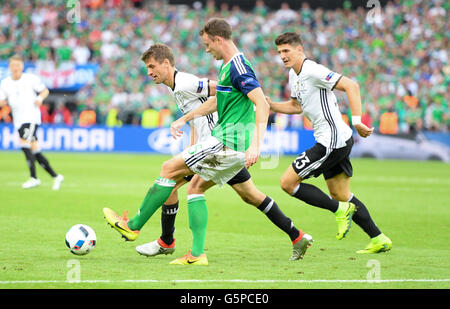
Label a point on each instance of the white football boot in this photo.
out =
(299, 248)
(31, 183)
(57, 182)
(155, 248)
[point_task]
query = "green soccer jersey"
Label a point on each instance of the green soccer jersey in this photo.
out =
(236, 111)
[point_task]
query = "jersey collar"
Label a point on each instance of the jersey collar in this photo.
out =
(174, 75)
(306, 58)
(235, 55)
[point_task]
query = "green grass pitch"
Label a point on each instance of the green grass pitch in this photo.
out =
(409, 201)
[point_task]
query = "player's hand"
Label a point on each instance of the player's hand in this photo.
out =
(251, 156)
(175, 127)
(363, 130)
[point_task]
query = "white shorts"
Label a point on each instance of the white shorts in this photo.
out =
(212, 160)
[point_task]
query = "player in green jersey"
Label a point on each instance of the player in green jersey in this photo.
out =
(243, 112)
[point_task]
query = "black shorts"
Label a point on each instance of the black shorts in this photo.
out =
(27, 131)
(240, 177)
(318, 160)
(188, 177)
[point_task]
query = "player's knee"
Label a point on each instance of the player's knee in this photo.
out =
(168, 170)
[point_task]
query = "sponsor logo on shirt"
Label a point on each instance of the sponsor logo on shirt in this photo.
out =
(246, 81)
(329, 76)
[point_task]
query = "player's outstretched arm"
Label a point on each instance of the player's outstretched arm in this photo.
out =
(209, 107)
(288, 107)
(42, 96)
(261, 116)
(351, 89)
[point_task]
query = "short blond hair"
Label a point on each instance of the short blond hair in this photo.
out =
(16, 57)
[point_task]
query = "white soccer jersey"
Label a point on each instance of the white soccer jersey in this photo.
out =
(21, 95)
(190, 92)
(312, 87)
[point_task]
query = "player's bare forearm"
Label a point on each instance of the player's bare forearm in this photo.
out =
(2, 103)
(42, 96)
(351, 89)
(261, 115)
(209, 107)
(288, 107)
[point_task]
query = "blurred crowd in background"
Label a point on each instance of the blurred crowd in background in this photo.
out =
(399, 57)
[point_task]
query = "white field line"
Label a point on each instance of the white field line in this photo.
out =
(226, 281)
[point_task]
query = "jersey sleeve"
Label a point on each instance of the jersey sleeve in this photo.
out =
(323, 77)
(291, 84)
(202, 89)
(196, 85)
(242, 76)
(37, 84)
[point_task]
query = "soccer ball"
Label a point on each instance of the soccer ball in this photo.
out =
(80, 239)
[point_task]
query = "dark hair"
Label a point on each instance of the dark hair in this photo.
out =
(290, 38)
(217, 27)
(159, 52)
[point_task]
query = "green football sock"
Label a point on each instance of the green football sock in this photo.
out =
(155, 198)
(198, 220)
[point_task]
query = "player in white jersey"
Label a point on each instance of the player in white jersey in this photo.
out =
(312, 88)
(24, 93)
(189, 93)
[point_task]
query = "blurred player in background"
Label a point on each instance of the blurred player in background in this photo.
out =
(24, 93)
(311, 93)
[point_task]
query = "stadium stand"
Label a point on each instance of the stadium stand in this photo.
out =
(400, 58)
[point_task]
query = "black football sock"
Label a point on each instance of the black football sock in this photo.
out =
(363, 219)
(168, 214)
(314, 196)
(30, 161)
(274, 213)
(45, 164)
